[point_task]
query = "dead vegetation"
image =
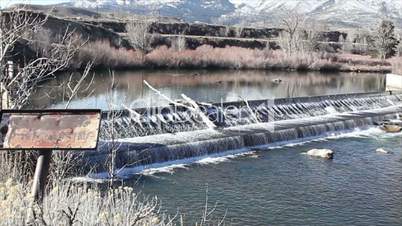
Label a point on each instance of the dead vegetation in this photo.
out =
(230, 58)
(71, 204)
(139, 36)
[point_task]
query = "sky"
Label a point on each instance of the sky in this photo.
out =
(4, 3)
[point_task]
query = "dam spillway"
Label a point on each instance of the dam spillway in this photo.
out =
(148, 136)
(173, 119)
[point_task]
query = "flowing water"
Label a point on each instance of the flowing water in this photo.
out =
(206, 86)
(273, 185)
(280, 186)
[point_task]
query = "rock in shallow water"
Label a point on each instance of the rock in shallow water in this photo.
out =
(391, 128)
(254, 155)
(382, 151)
(322, 153)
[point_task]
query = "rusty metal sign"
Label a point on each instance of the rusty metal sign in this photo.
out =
(49, 129)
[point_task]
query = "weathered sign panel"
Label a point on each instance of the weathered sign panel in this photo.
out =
(50, 129)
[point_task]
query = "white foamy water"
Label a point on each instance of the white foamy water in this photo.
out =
(172, 166)
(165, 167)
(225, 158)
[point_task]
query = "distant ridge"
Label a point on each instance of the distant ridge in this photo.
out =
(60, 10)
(343, 13)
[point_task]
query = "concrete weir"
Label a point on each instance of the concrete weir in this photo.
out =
(159, 148)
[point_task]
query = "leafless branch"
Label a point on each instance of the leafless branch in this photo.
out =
(138, 34)
(18, 26)
(291, 22)
(73, 90)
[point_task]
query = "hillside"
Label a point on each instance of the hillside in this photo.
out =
(340, 13)
(61, 11)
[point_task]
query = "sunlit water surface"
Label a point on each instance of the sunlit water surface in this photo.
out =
(284, 187)
(126, 88)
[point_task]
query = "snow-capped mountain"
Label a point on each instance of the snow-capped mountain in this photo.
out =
(344, 12)
(190, 10)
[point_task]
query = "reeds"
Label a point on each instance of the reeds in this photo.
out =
(205, 57)
(70, 204)
(102, 54)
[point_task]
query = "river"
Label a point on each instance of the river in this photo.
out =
(280, 186)
(269, 186)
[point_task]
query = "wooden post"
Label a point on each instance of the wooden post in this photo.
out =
(40, 177)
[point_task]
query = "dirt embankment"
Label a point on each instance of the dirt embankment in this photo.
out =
(195, 34)
(57, 27)
(219, 36)
(238, 48)
(210, 30)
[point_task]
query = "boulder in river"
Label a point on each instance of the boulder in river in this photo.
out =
(391, 128)
(382, 151)
(322, 153)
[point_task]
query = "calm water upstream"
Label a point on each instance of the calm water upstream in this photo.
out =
(207, 86)
(284, 187)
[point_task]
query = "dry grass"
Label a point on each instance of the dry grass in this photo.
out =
(362, 63)
(233, 58)
(228, 58)
(79, 204)
(105, 55)
(241, 58)
(16, 164)
(69, 204)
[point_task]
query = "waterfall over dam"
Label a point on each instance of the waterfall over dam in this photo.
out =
(157, 135)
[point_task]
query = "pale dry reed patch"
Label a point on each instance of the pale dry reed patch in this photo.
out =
(242, 58)
(69, 204)
(14, 204)
(103, 54)
(205, 56)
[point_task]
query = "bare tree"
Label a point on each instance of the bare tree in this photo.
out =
(66, 163)
(138, 34)
(17, 27)
(179, 43)
(385, 40)
(238, 31)
(311, 37)
(111, 133)
(13, 26)
(291, 23)
(357, 42)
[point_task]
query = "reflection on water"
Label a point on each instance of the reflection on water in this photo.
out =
(207, 86)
